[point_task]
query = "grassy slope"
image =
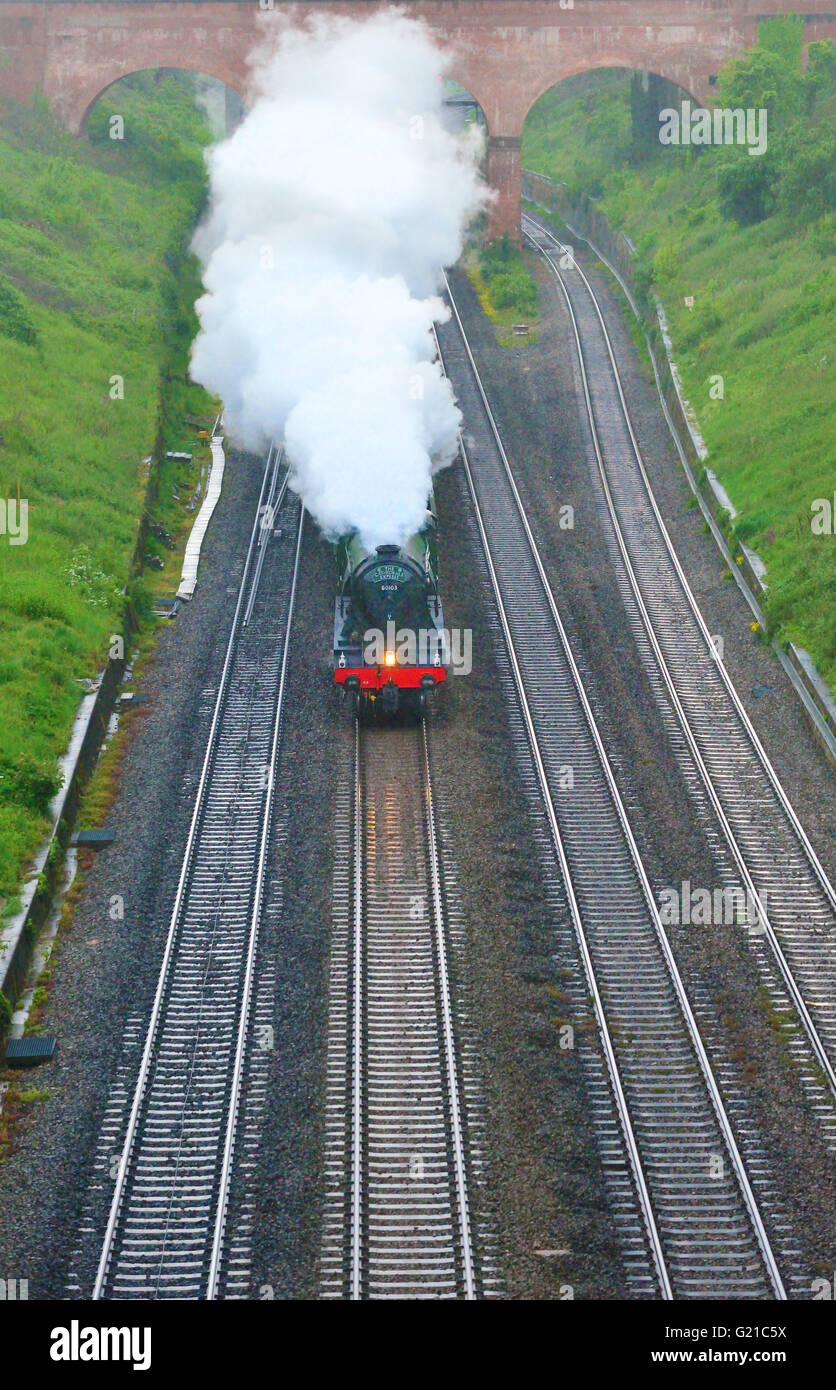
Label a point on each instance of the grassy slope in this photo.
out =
(763, 318)
(93, 239)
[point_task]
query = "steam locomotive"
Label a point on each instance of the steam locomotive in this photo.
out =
(388, 623)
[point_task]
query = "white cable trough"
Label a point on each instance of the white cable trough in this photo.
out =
(191, 558)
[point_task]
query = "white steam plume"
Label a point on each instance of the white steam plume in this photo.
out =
(332, 207)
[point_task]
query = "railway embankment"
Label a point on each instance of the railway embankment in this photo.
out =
(730, 259)
(96, 316)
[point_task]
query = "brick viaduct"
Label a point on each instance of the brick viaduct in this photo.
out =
(506, 52)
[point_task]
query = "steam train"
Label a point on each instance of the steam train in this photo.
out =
(388, 622)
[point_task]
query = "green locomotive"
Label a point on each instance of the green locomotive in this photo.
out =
(389, 637)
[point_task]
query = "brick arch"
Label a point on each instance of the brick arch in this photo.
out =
(506, 100)
(507, 90)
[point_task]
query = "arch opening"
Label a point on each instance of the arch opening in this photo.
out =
(621, 109)
(460, 108)
(218, 97)
(696, 88)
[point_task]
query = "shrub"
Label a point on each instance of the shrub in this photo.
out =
(513, 290)
(29, 783)
(808, 170)
(820, 77)
(509, 285)
(666, 264)
(14, 316)
(746, 186)
(823, 236)
(765, 78)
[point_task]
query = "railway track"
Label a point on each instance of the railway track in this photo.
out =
(397, 1219)
(777, 865)
(166, 1234)
(702, 1232)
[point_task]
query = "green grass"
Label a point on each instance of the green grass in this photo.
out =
(764, 317)
(506, 289)
(97, 282)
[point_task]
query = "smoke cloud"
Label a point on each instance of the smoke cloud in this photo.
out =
(332, 207)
